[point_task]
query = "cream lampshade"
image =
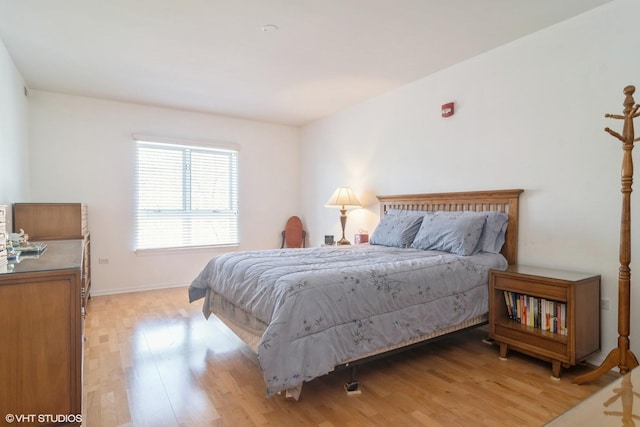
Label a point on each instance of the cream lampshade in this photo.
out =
(343, 198)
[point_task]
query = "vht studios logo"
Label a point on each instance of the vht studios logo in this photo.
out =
(43, 418)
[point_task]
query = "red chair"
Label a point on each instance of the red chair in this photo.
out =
(293, 235)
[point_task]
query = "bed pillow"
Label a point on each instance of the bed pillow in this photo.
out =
(493, 236)
(454, 232)
(396, 230)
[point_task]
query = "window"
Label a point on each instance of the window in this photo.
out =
(186, 196)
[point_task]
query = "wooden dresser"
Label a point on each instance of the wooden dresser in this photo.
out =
(42, 337)
(57, 221)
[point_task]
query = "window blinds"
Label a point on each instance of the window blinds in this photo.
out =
(186, 195)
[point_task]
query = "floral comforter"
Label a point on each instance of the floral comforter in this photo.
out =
(325, 306)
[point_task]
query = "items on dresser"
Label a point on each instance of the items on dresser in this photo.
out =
(3, 238)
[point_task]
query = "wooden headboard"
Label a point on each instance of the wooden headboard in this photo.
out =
(506, 201)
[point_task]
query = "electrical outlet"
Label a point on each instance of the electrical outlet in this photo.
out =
(604, 304)
(103, 261)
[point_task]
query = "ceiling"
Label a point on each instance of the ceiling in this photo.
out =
(214, 55)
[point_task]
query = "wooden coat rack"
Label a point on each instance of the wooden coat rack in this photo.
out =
(622, 356)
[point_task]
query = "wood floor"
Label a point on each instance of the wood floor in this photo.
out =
(151, 359)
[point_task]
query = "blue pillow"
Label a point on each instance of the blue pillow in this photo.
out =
(396, 230)
(454, 232)
(495, 229)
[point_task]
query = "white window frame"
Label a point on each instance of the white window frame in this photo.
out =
(184, 221)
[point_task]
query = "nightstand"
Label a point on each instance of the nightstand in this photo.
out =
(553, 315)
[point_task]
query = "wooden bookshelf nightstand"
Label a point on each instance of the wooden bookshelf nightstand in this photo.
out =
(553, 315)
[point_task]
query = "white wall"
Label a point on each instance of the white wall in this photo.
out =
(82, 151)
(14, 152)
(529, 115)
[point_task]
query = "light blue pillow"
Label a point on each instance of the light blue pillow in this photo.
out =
(396, 230)
(454, 232)
(495, 228)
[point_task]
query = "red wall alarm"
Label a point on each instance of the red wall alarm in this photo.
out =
(447, 110)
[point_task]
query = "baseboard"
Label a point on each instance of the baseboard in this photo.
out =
(116, 291)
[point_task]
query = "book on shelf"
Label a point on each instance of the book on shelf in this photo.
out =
(539, 313)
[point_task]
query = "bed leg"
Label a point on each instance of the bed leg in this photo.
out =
(352, 387)
(488, 340)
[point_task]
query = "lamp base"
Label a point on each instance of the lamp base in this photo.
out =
(343, 222)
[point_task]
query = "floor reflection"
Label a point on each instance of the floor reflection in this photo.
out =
(617, 399)
(625, 395)
(169, 357)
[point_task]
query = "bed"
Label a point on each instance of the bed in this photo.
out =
(423, 275)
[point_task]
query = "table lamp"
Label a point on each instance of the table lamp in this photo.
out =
(343, 198)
